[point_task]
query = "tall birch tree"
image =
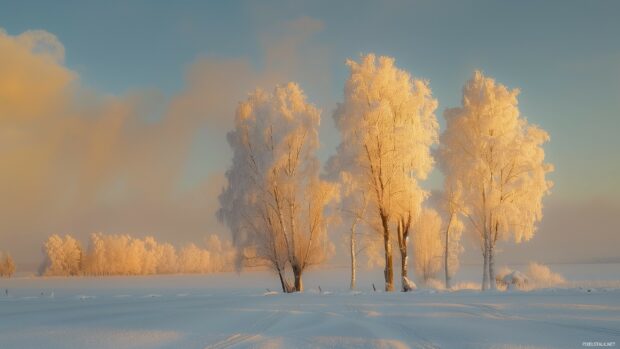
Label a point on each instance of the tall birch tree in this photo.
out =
(452, 229)
(498, 157)
(387, 125)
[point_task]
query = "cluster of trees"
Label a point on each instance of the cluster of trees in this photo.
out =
(7, 265)
(278, 206)
(125, 255)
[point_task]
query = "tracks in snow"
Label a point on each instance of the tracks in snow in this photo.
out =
(254, 331)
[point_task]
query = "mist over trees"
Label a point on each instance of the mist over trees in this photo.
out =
(274, 202)
(121, 254)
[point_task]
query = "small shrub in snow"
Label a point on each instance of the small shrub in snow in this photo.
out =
(502, 272)
(541, 276)
(536, 276)
(516, 279)
(499, 277)
(408, 285)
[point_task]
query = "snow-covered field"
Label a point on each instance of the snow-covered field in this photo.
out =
(220, 311)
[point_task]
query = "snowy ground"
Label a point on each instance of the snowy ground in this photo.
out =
(217, 311)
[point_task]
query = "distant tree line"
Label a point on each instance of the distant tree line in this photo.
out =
(121, 254)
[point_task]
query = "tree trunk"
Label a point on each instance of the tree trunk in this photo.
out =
(404, 261)
(285, 286)
(403, 241)
(446, 258)
(492, 266)
(353, 259)
(485, 267)
(387, 244)
(299, 286)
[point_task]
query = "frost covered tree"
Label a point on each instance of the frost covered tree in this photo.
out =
(354, 207)
(193, 259)
(167, 260)
(95, 257)
(498, 158)
(223, 253)
(358, 228)
(106, 254)
(427, 246)
(387, 125)
(408, 207)
(274, 202)
(7, 265)
(62, 257)
(452, 230)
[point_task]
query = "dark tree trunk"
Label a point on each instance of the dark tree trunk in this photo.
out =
(297, 272)
(286, 288)
(353, 259)
(492, 280)
(446, 260)
(485, 267)
(387, 244)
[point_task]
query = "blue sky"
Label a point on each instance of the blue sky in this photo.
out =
(563, 55)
